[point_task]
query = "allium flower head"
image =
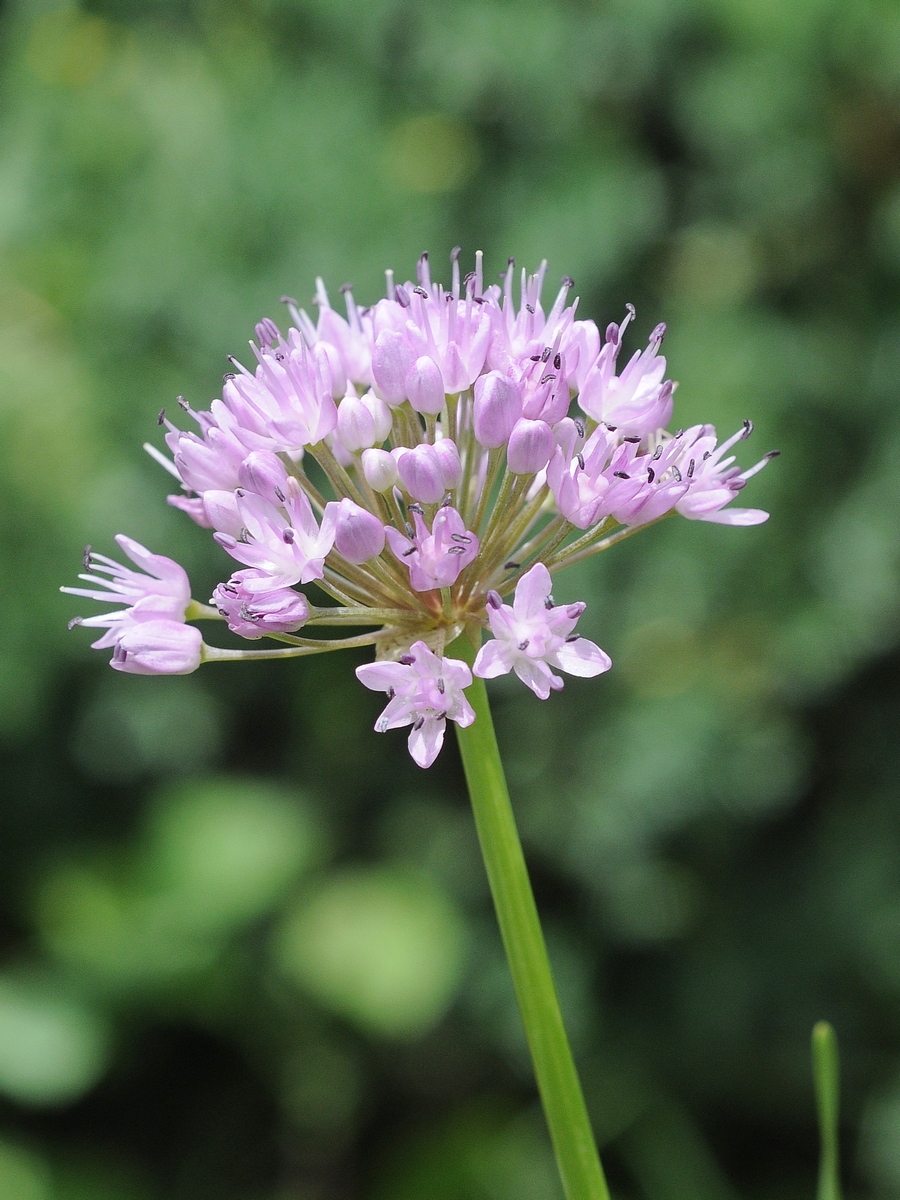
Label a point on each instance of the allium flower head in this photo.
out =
(426, 465)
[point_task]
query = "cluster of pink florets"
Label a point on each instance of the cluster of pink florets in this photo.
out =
(418, 461)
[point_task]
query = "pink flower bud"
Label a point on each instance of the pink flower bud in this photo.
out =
(358, 535)
(263, 472)
(530, 446)
(380, 469)
(222, 513)
(324, 352)
(448, 456)
(363, 422)
(498, 405)
(425, 386)
(158, 648)
(392, 358)
(421, 473)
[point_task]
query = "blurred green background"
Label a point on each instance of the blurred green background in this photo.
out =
(248, 951)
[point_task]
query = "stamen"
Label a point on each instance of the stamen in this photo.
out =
(86, 557)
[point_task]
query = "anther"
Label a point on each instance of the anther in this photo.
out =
(651, 474)
(447, 501)
(182, 403)
(456, 550)
(440, 686)
(612, 428)
(401, 296)
(773, 454)
(579, 427)
(86, 557)
(410, 532)
(461, 537)
(494, 599)
(227, 376)
(557, 362)
(345, 288)
(75, 621)
(536, 358)
(545, 354)
(629, 308)
(161, 419)
(573, 637)
(548, 603)
(621, 475)
(407, 659)
(530, 308)
(748, 428)
(279, 493)
(580, 460)
(290, 300)
(524, 645)
(676, 473)
(420, 291)
(690, 470)
(633, 440)
(455, 253)
(288, 537)
(567, 281)
(547, 379)
(511, 566)
(244, 536)
(418, 725)
(678, 433)
(407, 553)
(416, 508)
(657, 452)
(706, 454)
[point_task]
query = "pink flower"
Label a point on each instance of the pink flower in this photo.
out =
(286, 545)
(533, 635)
(148, 636)
(434, 559)
(713, 481)
(162, 582)
(253, 614)
(424, 692)
(637, 401)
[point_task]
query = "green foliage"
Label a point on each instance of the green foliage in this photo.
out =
(248, 949)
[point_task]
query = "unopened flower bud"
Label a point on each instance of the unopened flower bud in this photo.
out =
(358, 534)
(392, 358)
(264, 473)
(380, 469)
(363, 421)
(222, 514)
(448, 456)
(498, 405)
(324, 351)
(425, 386)
(530, 446)
(158, 648)
(421, 474)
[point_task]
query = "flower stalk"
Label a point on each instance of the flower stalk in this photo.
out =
(554, 1067)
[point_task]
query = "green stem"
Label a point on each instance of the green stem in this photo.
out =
(554, 1067)
(826, 1072)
